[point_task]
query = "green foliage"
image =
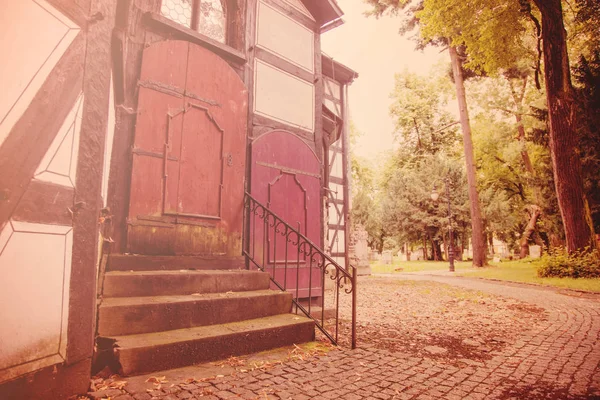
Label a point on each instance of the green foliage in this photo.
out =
(420, 110)
(365, 206)
(587, 78)
(579, 264)
(583, 21)
(406, 205)
(494, 33)
(498, 40)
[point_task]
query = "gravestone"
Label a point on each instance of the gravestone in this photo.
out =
(535, 251)
(359, 250)
(417, 255)
(468, 254)
(373, 255)
(386, 257)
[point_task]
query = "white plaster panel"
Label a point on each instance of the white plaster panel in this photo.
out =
(283, 97)
(332, 88)
(341, 261)
(34, 37)
(337, 169)
(35, 263)
(285, 37)
(59, 164)
(110, 134)
(297, 4)
(21, 226)
(333, 107)
(337, 144)
(339, 245)
(337, 189)
(333, 214)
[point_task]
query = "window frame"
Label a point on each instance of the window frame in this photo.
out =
(195, 19)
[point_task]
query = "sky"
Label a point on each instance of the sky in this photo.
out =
(374, 48)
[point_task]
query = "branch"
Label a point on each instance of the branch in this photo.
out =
(526, 9)
(445, 127)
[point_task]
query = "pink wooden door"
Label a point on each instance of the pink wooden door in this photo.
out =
(187, 182)
(286, 176)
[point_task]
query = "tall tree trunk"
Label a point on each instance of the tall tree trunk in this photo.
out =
(533, 212)
(528, 166)
(478, 240)
(518, 99)
(425, 257)
(568, 179)
(434, 255)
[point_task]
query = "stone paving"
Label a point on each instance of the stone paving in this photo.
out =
(557, 357)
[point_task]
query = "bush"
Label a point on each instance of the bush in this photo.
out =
(560, 264)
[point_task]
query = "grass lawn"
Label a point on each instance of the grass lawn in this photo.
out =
(512, 271)
(414, 266)
(526, 271)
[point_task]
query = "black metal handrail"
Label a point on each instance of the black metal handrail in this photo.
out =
(262, 229)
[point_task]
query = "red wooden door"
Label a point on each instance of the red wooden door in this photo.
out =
(187, 180)
(286, 177)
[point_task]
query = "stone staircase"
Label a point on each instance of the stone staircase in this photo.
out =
(163, 312)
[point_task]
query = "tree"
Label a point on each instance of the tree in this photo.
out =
(478, 240)
(479, 257)
(365, 210)
(505, 150)
(568, 177)
(587, 78)
(498, 28)
(406, 205)
(419, 108)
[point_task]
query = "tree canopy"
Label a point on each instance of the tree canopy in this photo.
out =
(535, 135)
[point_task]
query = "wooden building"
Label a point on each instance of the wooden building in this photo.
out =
(137, 127)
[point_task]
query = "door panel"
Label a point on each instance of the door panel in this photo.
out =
(200, 178)
(287, 198)
(286, 177)
(187, 181)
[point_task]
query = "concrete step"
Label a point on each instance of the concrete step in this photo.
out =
(144, 353)
(164, 283)
(128, 262)
(135, 315)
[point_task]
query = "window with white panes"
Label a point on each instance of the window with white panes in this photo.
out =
(208, 17)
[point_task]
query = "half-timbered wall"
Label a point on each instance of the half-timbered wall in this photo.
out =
(284, 67)
(336, 177)
(54, 75)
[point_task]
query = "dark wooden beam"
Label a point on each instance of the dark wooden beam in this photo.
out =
(337, 71)
(346, 175)
(336, 180)
(249, 81)
(284, 65)
(336, 201)
(319, 145)
(336, 227)
(96, 85)
(293, 14)
(45, 203)
(132, 35)
(267, 124)
(324, 11)
(77, 11)
(32, 135)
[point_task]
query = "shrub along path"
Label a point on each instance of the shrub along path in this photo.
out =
(421, 337)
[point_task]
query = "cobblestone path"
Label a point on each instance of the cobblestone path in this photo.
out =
(555, 356)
